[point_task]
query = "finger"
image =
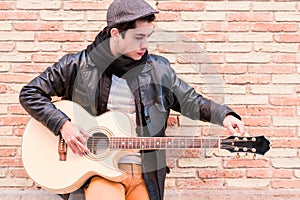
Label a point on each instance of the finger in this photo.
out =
(82, 148)
(81, 139)
(242, 128)
(239, 127)
(232, 130)
(74, 148)
(75, 145)
(83, 132)
(81, 135)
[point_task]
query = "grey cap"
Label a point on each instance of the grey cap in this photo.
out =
(121, 11)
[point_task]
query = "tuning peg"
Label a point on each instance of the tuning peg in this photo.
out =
(238, 155)
(246, 155)
(254, 156)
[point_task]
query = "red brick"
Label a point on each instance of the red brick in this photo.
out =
(260, 131)
(257, 121)
(13, 121)
(224, 69)
(218, 173)
(184, 153)
(287, 143)
(274, 132)
(29, 68)
(248, 78)
(167, 17)
(18, 173)
(181, 6)
(273, 69)
(16, 109)
(242, 110)
(274, 27)
(283, 132)
(73, 47)
(287, 38)
(188, 37)
(215, 58)
(18, 15)
(11, 162)
(7, 5)
(250, 17)
(193, 58)
(286, 58)
(18, 131)
(15, 78)
(3, 88)
(198, 183)
(45, 58)
(37, 26)
(259, 173)
(269, 111)
(179, 48)
(283, 173)
(8, 152)
(226, 27)
(60, 37)
(7, 46)
(246, 163)
(284, 101)
(85, 5)
(287, 183)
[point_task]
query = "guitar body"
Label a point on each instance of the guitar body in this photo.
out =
(41, 158)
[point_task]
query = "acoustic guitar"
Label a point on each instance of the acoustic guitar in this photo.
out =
(53, 166)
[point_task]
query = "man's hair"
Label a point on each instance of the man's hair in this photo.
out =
(123, 27)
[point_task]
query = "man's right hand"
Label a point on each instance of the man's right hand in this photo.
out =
(75, 137)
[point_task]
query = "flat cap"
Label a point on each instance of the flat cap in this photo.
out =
(121, 11)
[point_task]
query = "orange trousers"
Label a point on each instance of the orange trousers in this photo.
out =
(132, 188)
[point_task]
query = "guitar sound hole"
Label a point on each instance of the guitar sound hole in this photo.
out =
(98, 144)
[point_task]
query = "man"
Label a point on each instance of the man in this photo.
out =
(116, 72)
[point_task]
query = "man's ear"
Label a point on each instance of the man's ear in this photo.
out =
(115, 34)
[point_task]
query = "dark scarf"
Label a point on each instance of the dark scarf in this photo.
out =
(100, 54)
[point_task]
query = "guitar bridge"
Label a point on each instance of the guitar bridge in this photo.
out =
(62, 149)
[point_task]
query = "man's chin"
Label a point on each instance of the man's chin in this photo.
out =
(136, 58)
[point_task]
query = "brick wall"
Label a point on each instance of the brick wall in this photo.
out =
(242, 53)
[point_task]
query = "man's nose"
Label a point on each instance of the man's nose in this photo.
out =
(144, 44)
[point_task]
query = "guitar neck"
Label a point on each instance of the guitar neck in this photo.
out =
(258, 144)
(150, 143)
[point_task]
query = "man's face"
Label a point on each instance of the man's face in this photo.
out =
(135, 42)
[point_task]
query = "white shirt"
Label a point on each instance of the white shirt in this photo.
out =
(121, 99)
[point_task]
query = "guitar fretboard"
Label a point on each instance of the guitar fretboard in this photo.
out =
(148, 143)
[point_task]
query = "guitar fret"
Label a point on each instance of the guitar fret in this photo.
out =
(160, 143)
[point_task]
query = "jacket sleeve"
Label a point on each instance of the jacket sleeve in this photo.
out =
(35, 97)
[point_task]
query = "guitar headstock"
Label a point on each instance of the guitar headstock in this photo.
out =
(257, 145)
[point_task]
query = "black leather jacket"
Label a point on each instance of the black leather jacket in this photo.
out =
(156, 89)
